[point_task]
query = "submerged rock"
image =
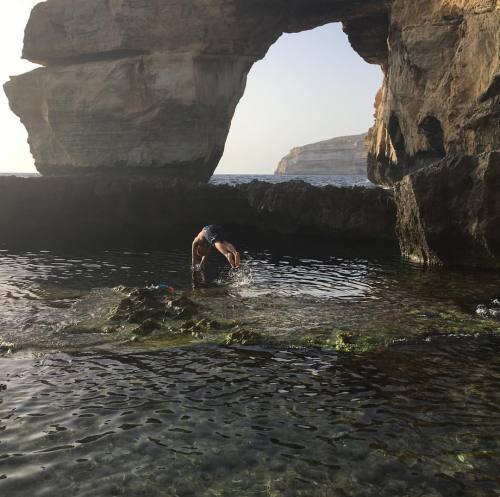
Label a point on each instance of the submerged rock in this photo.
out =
(353, 342)
(145, 304)
(150, 308)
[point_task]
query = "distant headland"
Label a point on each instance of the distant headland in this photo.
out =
(340, 155)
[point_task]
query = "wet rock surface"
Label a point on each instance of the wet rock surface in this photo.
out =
(155, 312)
(489, 310)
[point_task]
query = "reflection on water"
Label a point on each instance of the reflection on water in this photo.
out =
(420, 418)
(212, 421)
(285, 297)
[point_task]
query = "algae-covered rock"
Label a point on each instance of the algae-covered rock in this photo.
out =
(352, 342)
(141, 304)
(182, 307)
(147, 327)
(243, 337)
(162, 313)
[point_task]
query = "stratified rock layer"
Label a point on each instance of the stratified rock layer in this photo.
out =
(151, 85)
(341, 155)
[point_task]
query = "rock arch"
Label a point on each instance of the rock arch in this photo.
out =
(149, 87)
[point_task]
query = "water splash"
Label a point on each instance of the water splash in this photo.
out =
(237, 279)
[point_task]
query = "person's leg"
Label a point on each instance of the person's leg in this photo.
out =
(235, 253)
(222, 248)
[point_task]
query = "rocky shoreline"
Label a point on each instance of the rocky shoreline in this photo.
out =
(95, 207)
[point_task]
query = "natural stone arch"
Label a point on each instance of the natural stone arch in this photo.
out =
(150, 86)
(153, 88)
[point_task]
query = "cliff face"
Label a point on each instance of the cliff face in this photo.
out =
(341, 155)
(151, 86)
(449, 213)
(441, 91)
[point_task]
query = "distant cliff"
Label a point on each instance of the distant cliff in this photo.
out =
(341, 155)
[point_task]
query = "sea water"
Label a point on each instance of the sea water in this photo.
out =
(412, 411)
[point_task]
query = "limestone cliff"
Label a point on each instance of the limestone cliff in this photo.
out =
(150, 86)
(341, 155)
(450, 213)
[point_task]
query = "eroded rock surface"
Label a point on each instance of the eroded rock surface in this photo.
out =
(151, 86)
(441, 91)
(450, 213)
(340, 155)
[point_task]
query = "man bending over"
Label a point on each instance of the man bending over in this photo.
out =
(211, 236)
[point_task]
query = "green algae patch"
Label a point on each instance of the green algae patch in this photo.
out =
(356, 343)
(243, 337)
(160, 317)
(345, 341)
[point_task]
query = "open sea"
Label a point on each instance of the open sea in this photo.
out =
(321, 370)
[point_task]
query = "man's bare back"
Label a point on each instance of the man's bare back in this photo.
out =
(211, 236)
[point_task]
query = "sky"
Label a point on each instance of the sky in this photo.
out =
(311, 86)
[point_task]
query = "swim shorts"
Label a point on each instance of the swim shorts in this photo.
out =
(213, 234)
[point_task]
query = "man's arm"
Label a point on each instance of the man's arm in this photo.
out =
(194, 250)
(203, 262)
